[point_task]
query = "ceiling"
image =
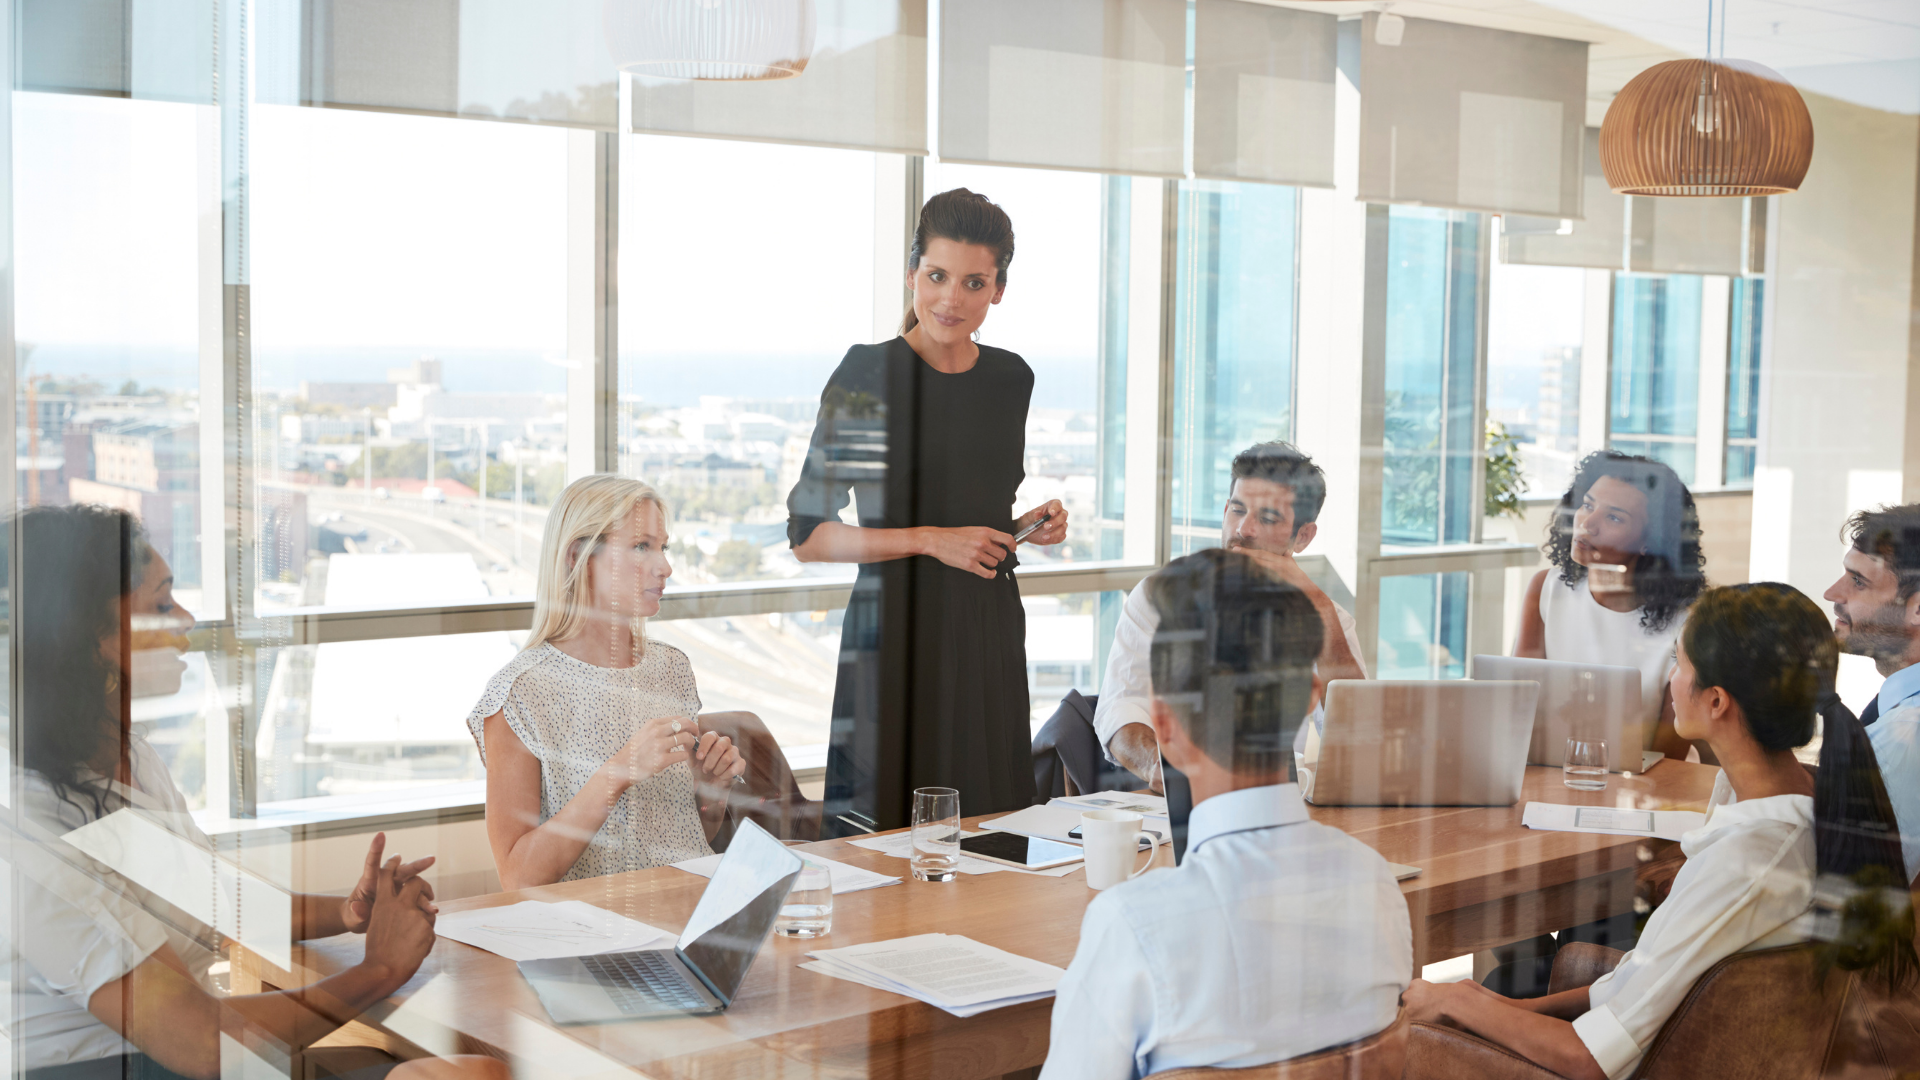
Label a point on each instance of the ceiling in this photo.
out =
(1863, 51)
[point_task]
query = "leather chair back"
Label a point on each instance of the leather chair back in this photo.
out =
(1382, 1056)
(1763, 1013)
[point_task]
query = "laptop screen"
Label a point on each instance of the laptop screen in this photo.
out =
(737, 910)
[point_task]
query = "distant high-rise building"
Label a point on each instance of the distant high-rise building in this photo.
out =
(1559, 423)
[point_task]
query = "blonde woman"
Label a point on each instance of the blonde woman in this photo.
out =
(596, 763)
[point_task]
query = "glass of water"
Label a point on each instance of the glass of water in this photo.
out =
(1586, 765)
(808, 911)
(936, 833)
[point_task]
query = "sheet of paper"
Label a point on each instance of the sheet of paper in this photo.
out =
(945, 969)
(1140, 802)
(535, 930)
(1057, 819)
(1611, 821)
(846, 877)
(900, 846)
(854, 975)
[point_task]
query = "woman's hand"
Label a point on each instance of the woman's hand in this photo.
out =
(719, 759)
(1426, 1003)
(400, 929)
(1053, 532)
(357, 908)
(975, 549)
(658, 744)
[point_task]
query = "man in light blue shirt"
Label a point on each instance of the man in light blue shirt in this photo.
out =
(1876, 608)
(1275, 936)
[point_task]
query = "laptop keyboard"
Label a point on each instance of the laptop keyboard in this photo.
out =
(641, 982)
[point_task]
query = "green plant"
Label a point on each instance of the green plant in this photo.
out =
(1505, 482)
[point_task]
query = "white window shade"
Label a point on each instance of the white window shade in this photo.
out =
(481, 59)
(1263, 93)
(1093, 85)
(1472, 119)
(153, 49)
(865, 88)
(1685, 236)
(1597, 241)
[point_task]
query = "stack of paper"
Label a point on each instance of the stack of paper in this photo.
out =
(1612, 821)
(845, 876)
(900, 846)
(948, 971)
(534, 930)
(1059, 817)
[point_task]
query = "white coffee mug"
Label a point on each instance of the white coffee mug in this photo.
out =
(1111, 839)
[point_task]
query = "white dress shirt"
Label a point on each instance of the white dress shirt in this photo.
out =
(1275, 937)
(1127, 688)
(88, 926)
(1748, 878)
(1896, 744)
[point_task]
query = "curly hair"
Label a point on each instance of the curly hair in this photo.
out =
(77, 563)
(1670, 571)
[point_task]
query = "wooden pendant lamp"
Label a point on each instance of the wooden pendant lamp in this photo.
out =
(1706, 128)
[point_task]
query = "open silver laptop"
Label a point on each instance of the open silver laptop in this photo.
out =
(1408, 743)
(704, 969)
(1594, 701)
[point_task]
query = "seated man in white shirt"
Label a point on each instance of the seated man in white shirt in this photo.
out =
(1270, 513)
(1276, 936)
(1876, 609)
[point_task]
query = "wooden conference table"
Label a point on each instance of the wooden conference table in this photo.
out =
(1485, 880)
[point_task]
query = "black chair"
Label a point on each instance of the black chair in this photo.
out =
(1068, 760)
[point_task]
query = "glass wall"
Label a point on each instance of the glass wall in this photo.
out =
(1233, 332)
(1656, 368)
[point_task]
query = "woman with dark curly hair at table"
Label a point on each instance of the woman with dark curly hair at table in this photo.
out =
(1626, 564)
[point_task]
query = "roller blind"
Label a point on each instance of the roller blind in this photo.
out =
(865, 88)
(156, 49)
(1096, 85)
(1685, 236)
(1263, 93)
(1597, 241)
(481, 59)
(1473, 119)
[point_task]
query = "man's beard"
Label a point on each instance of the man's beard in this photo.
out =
(1876, 637)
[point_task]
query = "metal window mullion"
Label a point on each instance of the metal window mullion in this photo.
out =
(237, 652)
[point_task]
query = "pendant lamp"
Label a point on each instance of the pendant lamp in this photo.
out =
(1706, 128)
(732, 40)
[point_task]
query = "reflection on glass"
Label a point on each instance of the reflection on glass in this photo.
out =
(1233, 340)
(1423, 626)
(1433, 286)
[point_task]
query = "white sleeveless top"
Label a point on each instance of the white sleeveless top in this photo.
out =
(573, 716)
(1581, 630)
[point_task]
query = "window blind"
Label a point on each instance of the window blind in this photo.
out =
(1597, 241)
(1093, 85)
(156, 49)
(1472, 119)
(1685, 236)
(479, 59)
(1263, 93)
(865, 88)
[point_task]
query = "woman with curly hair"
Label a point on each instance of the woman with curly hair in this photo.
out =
(1626, 564)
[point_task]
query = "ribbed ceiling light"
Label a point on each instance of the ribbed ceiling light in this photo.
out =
(1707, 127)
(710, 39)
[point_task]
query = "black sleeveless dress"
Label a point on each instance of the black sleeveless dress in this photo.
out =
(932, 681)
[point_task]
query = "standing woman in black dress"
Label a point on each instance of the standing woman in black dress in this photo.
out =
(926, 434)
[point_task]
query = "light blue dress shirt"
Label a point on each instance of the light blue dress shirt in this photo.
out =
(1274, 938)
(1896, 743)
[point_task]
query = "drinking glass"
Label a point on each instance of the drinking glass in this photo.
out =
(936, 833)
(1586, 765)
(808, 911)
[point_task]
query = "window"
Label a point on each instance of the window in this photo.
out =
(1656, 368)
(410, 422)
(1535, 318)
(726, 343)
(1234, 315)
(1743, 380)
(1435, 262)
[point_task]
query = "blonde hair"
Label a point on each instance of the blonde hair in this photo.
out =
(576, 527)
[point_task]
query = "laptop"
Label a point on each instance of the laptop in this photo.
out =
(1454, 742)
(1594, 701)
(705, 968)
